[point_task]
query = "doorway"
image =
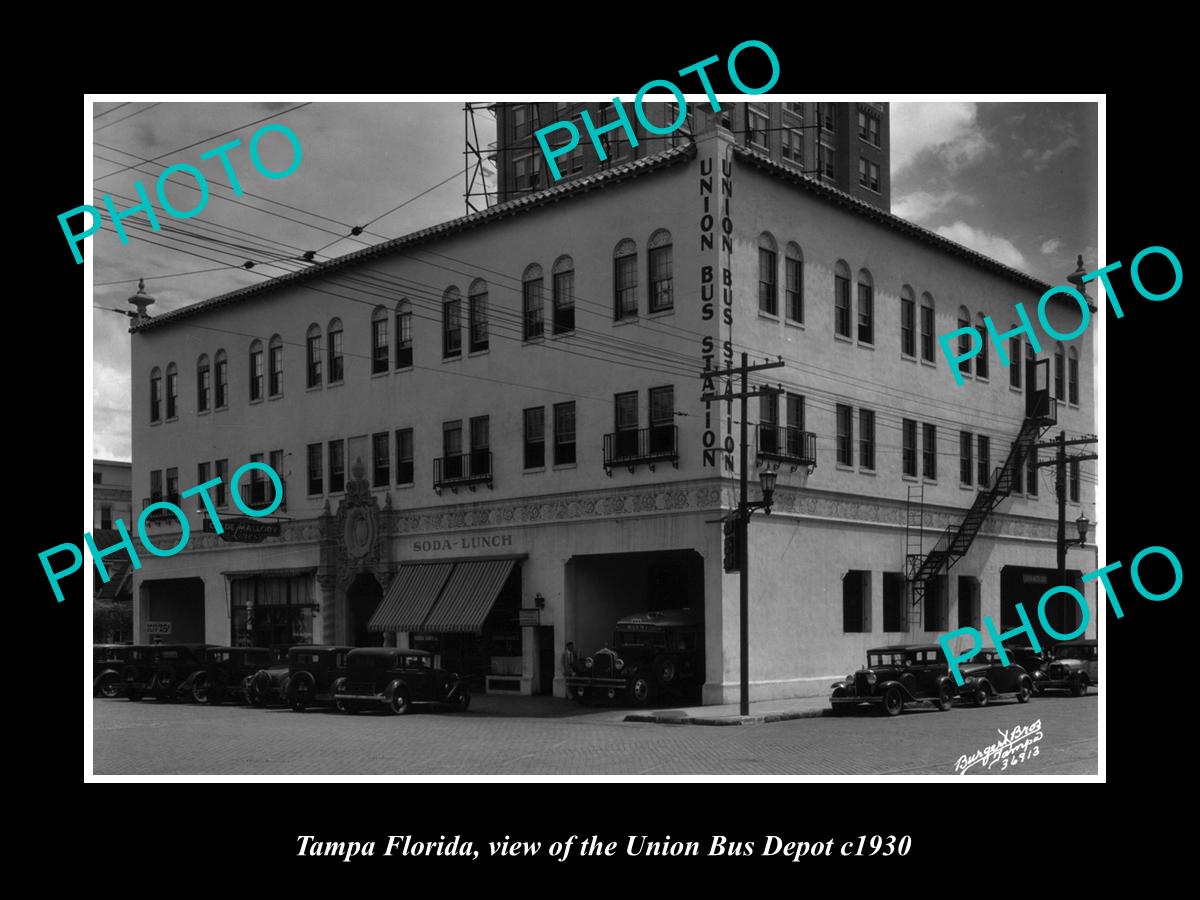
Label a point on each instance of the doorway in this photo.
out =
(362, 599)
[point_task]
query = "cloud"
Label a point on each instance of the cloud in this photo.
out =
(1042, 158)
(998, 248)
(1051, 246)
(920, 206)
(949, 130)
(110, 411)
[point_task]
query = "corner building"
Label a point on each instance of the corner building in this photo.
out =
(493, 440)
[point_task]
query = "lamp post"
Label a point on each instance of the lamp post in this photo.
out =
(746, 508)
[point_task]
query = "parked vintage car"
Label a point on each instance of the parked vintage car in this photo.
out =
(1070, 666)
(653, 654)
(226, 673)
(159, 669)
(311, 673)
(396, 679)
(897, 675)
(269, 685)
(107, 661)
(984, 679)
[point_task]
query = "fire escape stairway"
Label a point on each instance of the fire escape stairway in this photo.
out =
(956, 540)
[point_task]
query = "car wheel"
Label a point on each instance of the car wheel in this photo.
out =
(462, 701)
(665, 671)
(201, 690)
(981, 696)
(945, 697)
(1079, 687)
(893, 702)
(640, 690)
(1024, 693)
(399, 704)
(110, 686)
(300, 691)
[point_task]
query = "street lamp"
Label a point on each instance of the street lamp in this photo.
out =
(766, 480)
(1082, 524)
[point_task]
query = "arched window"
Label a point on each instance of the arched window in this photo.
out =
(768, 281)
(333, 341)
(625, 292)
(531, 302)
(927, 310)
(380, 355)
(1014, 360)
(155, 394)
(256, 370)
(312, 356)
(793, 283)
(275, 366)
(841, 299)
(1073, 378)
(564, 294)
(866, 307)
(404, 338)
(964, 341)
(658, 249)
(981, 361)
(477, 314)
(221, 379)
(203, 383)
(1060, 374)
(172, 391)
(908, 321)
(451, 323)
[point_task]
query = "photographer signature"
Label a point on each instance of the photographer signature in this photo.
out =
(1014, 747)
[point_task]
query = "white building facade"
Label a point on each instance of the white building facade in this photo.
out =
(493, 437)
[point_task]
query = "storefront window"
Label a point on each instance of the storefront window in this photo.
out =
(272, 611)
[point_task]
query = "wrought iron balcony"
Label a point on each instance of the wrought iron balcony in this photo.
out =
(784, 444)
(457, 470)
(633, 446)
(259, 494)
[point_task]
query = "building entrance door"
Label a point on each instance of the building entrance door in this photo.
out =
(545, 650)
(362, 598)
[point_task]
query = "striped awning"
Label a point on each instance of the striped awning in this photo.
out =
(469, 595)
(119, 576)
(411, 595)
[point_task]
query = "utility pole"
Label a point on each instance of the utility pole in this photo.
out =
(745, 510)
(1059, 462)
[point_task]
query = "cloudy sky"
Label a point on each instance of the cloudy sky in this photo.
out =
(1016, 181)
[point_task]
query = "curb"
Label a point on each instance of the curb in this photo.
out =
(724, 720)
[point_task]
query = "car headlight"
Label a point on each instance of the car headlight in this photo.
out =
(587, 663)
(871, 678)
(619, 664)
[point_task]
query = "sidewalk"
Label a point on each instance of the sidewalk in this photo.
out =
(728, 714)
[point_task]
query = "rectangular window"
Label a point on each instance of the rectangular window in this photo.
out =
(845, 435)
(173, 485)
(106, 512)
(872, 176)
(256, 485)
(221, 467)
(866, 439)
(312, 353)
(316, 470)
(909, 452)
(661, 279)
(404, 456)
(929, 451)
(866, 314)
(841, 306)
(937, 605)
(826, 162)
(662, 419)
(825, 115)
(481, 457)
(985, 461)
(1018, 479)
(404, 340)
(535, 437)
(379, 346)
(203, 474)
(203, 387)
(625, 286)
(794, 285)
(625, 415)
(221, 374)
(868, 127)
(477, 313)
(795, 411)
(381, 460)
(564, 433)
(757, 125)
(864, 179)
(768, 420)
(1014, 362)
(966, 462)
(927, 333)
(520, 121)
(337, 466)
(531, 301)
(337, 361)
(856, 601)
(1073, 472)
(908, 326)
(1032, 474)
(767, 300)
(156, 493)
(968, 602)
(895, 609)
(792, 146)
(564, 302)
(451, 328)
(275, 461)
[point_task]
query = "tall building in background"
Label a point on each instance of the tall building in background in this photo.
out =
(112, 500)
(843, 145)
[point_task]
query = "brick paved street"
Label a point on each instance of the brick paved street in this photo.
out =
(514, 736)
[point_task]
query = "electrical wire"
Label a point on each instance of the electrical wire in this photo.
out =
(123, 118)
